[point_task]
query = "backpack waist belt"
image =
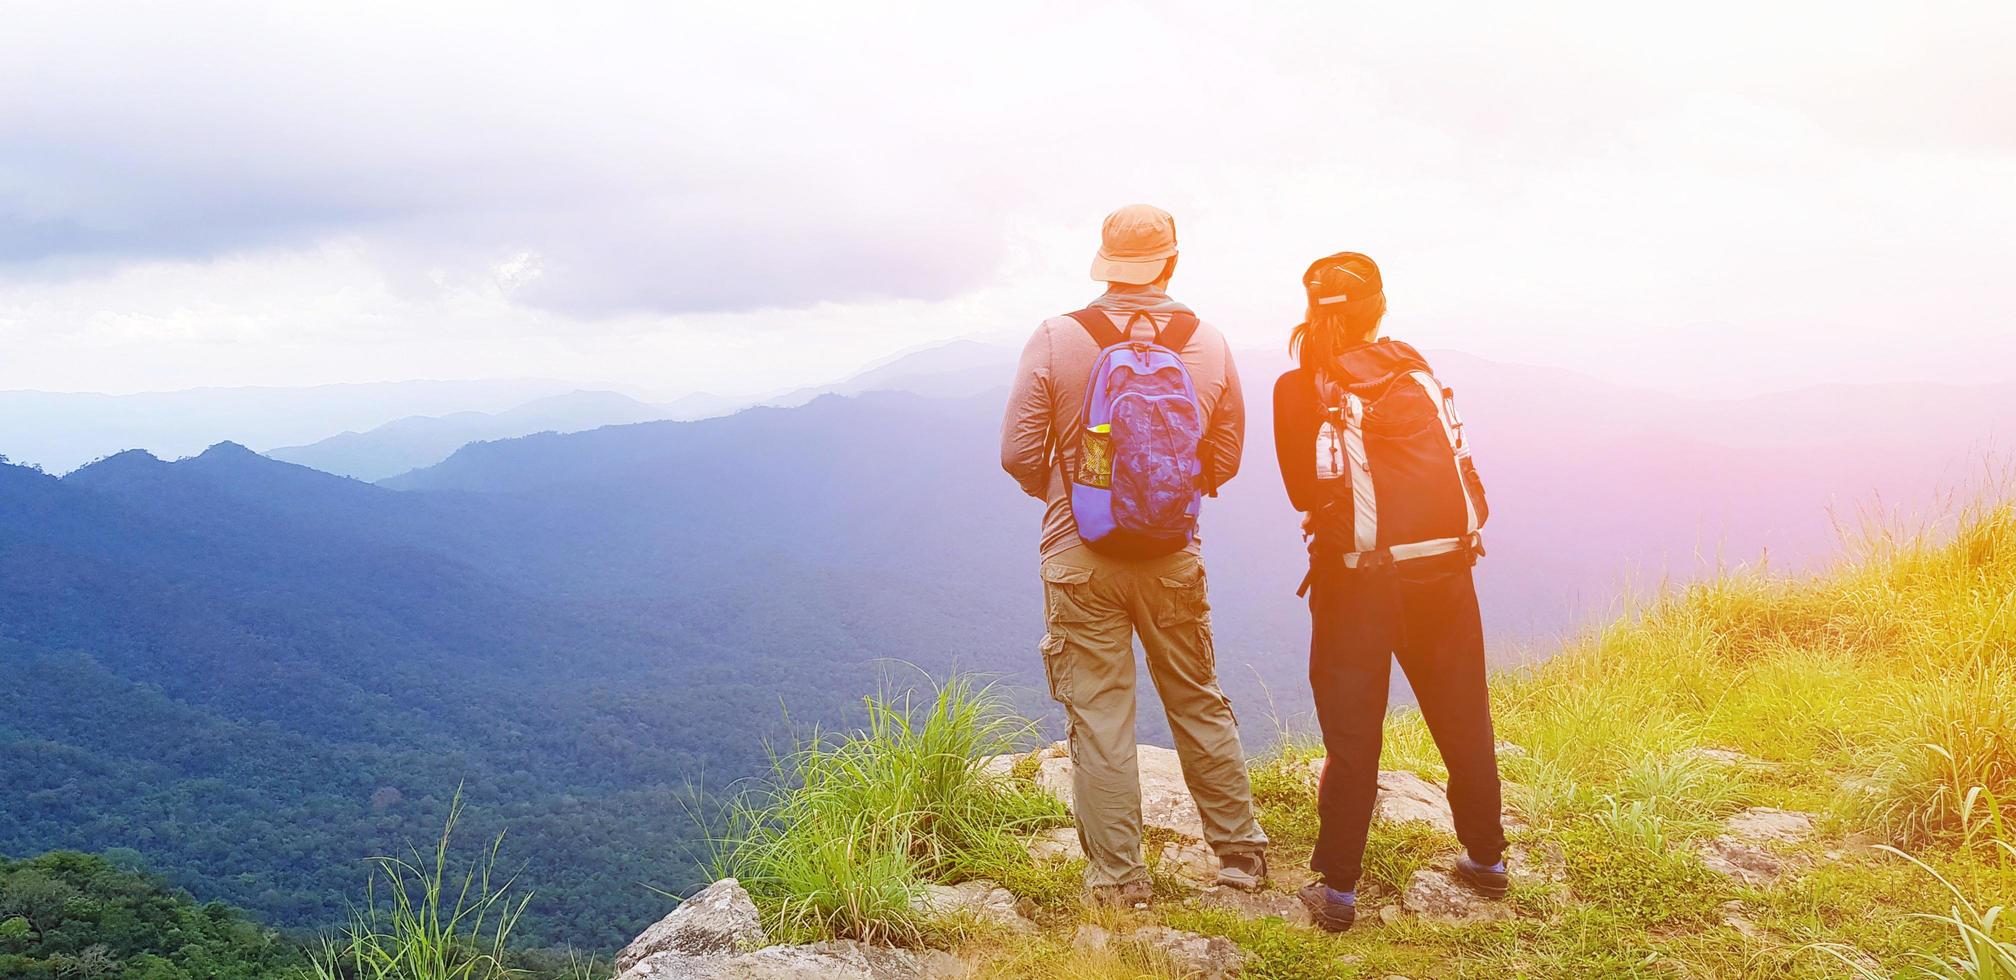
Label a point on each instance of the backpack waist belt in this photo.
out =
(1369, 560)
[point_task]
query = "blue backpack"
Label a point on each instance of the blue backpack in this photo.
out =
(1139, 478)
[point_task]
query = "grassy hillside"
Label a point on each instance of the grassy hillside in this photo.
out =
(1880, 697)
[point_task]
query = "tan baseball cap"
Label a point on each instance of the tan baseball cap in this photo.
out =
(1134, 245)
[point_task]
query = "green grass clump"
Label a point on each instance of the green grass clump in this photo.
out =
(422, 921)
(1625, 861)
(1393, 852)
(854, 825)
(1985, 941)
(1284, 793)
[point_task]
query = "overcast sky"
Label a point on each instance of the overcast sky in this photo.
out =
(750, 196)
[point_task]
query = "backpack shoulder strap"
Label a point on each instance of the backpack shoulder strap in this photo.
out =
(1176, 334)
(1096, 323)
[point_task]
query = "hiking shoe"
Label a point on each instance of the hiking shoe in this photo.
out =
(1332, 910)
(1488, 880)
(1133, 894)
(1246, 870)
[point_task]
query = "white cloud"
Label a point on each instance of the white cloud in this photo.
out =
(1714, 196)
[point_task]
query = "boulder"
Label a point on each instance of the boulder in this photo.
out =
(1404, 797)
(983, 900)
(1432, 895)
(1166, 807)
(1165, 797)
(841, 960)
(834, 960)
(1762, 824)
(1193, 956)
(719, 919)
(1744, 862)
(1000, 765)
(673, 966)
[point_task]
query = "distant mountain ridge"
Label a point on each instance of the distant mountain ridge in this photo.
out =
(423, 440)
(60, 431)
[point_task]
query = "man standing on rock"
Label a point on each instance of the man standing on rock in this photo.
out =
(1122, 417)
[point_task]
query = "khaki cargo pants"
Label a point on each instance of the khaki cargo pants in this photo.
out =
(1095, 605)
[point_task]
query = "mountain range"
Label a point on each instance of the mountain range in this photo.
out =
(60, 431)
(258, 674)
(423, 440)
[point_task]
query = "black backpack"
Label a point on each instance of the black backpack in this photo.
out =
(1394, 477)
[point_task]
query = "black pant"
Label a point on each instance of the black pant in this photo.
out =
(1428, 617)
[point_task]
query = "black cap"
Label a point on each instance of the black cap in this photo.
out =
(1345, 277)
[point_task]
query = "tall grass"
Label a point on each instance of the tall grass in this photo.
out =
(422, 921)
(1895, 673)
(1881, 694)
(1986, 944)
(854, 825)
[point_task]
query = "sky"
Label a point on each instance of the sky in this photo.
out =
(745, 197)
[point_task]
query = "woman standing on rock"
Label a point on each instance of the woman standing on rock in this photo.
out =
(1372, 450)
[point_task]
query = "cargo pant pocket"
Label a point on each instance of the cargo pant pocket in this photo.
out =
(1183, 597)
(1065, 595)
(1183, 608)
(1057, 667)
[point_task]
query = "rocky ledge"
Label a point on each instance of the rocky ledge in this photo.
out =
(717, 935)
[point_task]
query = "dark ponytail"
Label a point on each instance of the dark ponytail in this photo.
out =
(1330, 329)
(1347, 299)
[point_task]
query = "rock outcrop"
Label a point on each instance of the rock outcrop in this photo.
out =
(982, 900)
(1737, 853)
(718, 920)
(1405, 797)
(1167, 811)
(1193, 956)
(1762, 824)
(1746, 863)
(717, 935)
(1165, 797)
(1264, 904)
(833, 960)
(1433, 895)
(1201, 957)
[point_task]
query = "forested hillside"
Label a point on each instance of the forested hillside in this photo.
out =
(258, 674)
(68, 915)
(258, 700)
